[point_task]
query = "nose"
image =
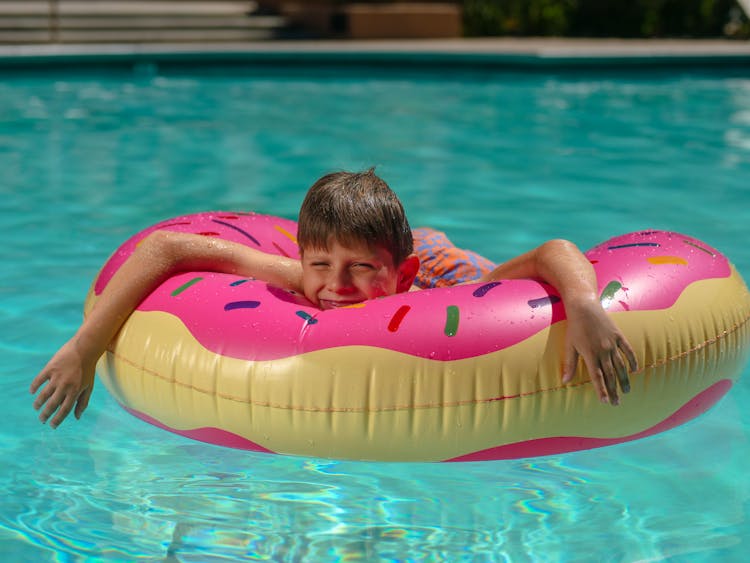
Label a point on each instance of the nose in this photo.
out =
(340, 282)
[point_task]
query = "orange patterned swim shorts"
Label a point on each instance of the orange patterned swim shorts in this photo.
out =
(442, 264)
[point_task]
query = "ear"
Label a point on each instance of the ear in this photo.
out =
(407, 271)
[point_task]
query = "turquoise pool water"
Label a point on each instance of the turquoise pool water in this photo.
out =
(501, 161)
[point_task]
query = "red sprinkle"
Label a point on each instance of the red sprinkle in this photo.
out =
(398, 317)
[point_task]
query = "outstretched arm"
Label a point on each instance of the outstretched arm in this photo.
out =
(591, 333)
(69, 375)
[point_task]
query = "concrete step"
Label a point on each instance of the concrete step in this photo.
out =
(131, 22)
(138, 21)
(137, 36)
(124, 7)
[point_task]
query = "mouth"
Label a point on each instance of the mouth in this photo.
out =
(330, 304)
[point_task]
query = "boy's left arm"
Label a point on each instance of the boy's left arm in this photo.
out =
(591, 333)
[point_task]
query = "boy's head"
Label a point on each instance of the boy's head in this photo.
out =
(355, 240)
(353, 207)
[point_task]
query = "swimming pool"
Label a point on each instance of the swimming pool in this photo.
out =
(500, 160)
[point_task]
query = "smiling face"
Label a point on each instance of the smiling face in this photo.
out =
(340, 275)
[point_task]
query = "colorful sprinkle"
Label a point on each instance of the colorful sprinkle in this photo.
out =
(543, 301)
(236, 228)
(241, 305)
(667, 260)
(608, 293)
(286, 233)
(175, 224)
(209, 234)
(238, 282)
(185, 286)
(451, 320)
(633, 244)
(354, 306)
(398, 317)
(481, 291)
(281, 250)
(699, 247)
(307, 317)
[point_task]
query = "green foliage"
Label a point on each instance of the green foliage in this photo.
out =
(606, 18)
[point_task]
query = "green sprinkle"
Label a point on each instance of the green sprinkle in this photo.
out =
(608, 294)
(185, 286)
(451, 321)
(698, 247)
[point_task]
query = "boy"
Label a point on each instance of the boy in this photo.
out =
(355, 244)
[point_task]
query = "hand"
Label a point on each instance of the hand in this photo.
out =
(593, 336)
(69, 378)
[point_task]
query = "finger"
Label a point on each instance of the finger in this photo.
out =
(571, 362)
(622, 371)
(597, 380)
(43, 397)
(610, 379)
(629, 354)
(83, 401)
(63, 411)
(38, 381)
(50, 405)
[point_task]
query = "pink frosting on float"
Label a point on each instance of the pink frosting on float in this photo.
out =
(278, 235)
(251, 320)
(654, 267)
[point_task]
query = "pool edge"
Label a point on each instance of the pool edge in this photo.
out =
(487, 53)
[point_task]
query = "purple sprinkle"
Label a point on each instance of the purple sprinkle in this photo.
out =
(241, 305)
(236, 228)
(542, 301)
(633, 244)
(482, 291)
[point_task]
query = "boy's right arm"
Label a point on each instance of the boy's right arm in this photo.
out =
(69, 375)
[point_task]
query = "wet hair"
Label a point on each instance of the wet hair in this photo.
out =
(354, 207)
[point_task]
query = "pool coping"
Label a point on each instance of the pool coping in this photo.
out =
(486, 52)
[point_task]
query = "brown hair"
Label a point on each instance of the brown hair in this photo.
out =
(354, 207)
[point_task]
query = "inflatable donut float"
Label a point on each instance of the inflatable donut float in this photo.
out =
(464, 373)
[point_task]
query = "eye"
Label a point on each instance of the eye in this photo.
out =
(363, 266)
